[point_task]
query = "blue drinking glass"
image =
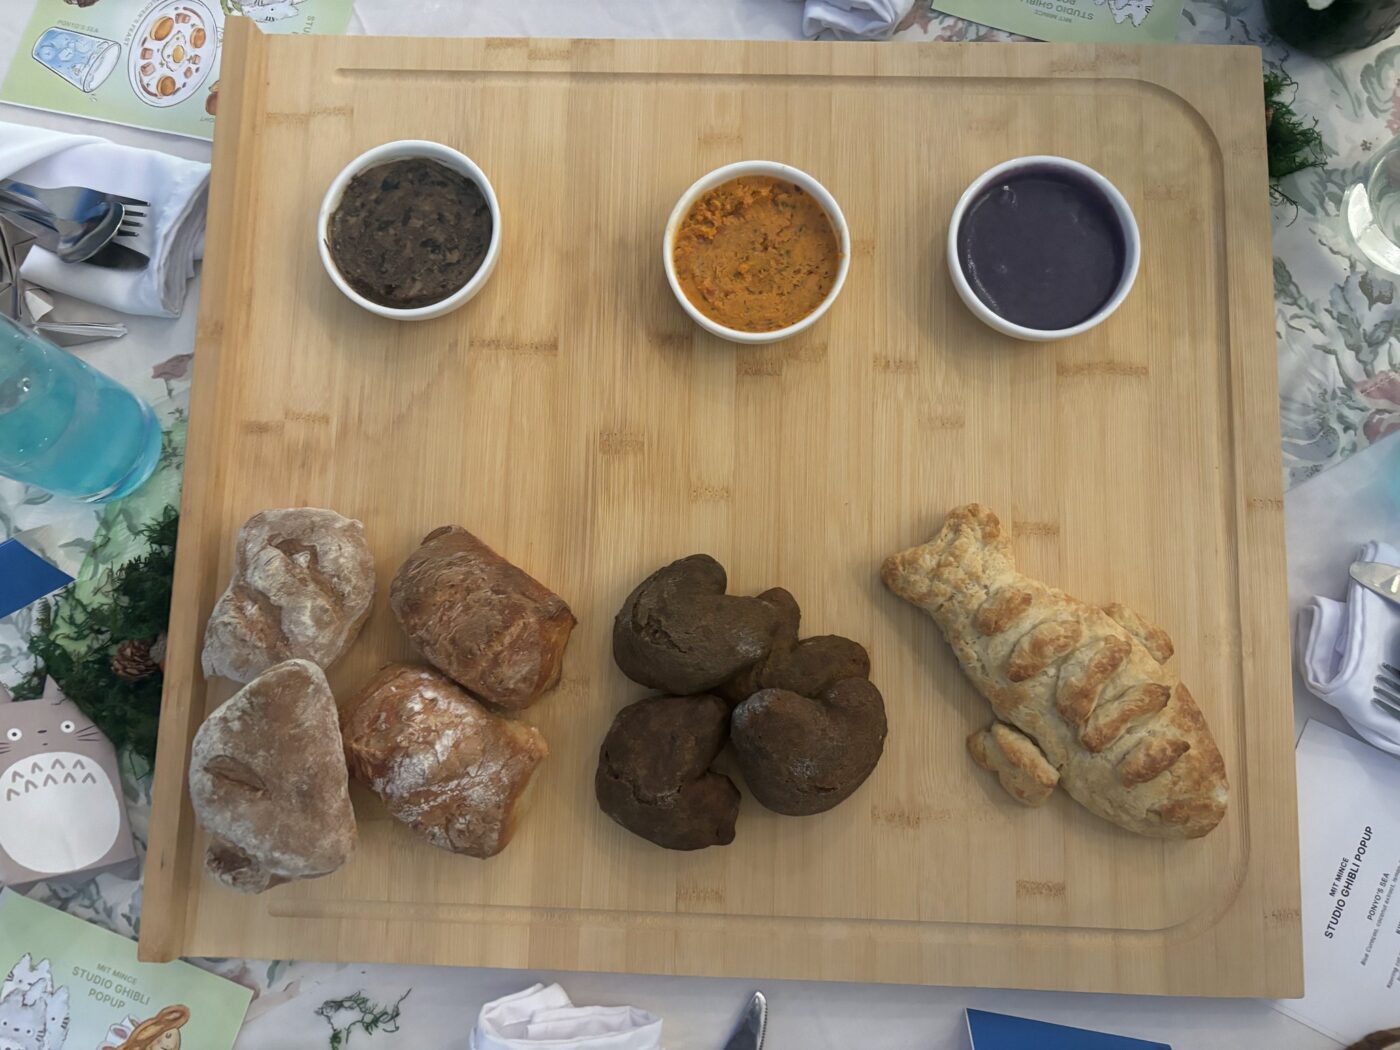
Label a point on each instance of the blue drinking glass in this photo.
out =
(66, 427)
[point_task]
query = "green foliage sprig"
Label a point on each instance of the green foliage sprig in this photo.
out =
(372, 1017)
(76, 638)
(1294, 144)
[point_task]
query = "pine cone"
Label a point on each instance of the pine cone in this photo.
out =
(132, 661)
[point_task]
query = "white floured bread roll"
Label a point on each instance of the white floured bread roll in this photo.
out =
(303, 582)
(269, 784)
(445, 765)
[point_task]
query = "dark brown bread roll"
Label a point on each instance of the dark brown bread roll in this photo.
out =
(444, 765)
(480, 620)
(802, 755)
(654, 775)
(680, 632)
(808, 667)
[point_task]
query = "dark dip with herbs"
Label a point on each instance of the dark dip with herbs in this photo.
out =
(1043, 248)
(410, 233)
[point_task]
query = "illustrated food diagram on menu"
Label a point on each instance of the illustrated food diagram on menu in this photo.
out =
(171, 54)
(146, 63)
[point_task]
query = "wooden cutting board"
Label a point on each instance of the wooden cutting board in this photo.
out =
(574, 418)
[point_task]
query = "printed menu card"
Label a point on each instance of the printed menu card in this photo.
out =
(69, 985)
(148, 63)
(1349, 842)
(1078, 21)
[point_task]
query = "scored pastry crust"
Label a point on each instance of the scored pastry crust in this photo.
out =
(1084, 687)
(1019, 765)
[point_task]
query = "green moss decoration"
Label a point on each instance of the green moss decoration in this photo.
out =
(357, 1011)
(78, 634)
(1294, 144)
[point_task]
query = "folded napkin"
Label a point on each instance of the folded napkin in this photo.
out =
(178, 193)
(544, 1016)
(1341, 645)
(854, 19)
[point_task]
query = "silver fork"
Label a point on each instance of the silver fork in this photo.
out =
(1386, 689)
(74, 222)
(69, 200)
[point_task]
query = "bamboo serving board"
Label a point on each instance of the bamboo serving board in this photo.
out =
(576, 420)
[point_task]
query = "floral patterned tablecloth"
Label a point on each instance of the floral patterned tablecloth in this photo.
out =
(1337, 316)
(1339, 364)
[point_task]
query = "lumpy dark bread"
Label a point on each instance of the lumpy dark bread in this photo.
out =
(807, 666)
(806, 725)
(654, 776)
(410, 233)
(680, 632)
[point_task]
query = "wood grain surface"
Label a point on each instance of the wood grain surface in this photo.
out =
(575, 419)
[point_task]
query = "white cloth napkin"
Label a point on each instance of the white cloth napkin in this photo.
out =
(1341, 645)
(854, 19)
(177, 190)
(541, 1017)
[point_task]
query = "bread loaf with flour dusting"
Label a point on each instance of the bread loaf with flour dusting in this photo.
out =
(444, 765)
(303, 582)
(1082, 695)
(268, 782)
(482, 621)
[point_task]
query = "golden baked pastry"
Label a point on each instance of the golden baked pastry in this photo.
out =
(1092, 706)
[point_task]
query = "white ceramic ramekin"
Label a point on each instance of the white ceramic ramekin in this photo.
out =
(1132, 244)
(734, 171)
(403, 148)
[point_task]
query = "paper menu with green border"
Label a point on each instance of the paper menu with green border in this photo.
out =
(147, 63)
(73, 986)
(1076, 21)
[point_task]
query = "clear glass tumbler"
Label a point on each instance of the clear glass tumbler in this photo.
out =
(66, 427)
(1373, 209)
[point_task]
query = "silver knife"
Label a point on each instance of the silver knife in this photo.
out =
(748, 1035)
(1379, 577)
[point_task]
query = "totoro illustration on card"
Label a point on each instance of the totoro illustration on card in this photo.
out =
(61, 809)
(70, 985)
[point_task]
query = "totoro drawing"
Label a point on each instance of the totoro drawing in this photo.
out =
(61, 810)
(33, 1010)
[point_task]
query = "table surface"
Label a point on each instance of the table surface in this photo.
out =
(1340, 377)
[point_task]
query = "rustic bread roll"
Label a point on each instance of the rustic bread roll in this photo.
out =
(807, 667)
(808, 728)
(680, 632)
(1084, 686)
(302, 585)
(480, 620)
(443, 764)
(268, 782)
(803, 755)
(654, 776)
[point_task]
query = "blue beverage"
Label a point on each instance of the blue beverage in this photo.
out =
(66, 427)
(84, 61)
